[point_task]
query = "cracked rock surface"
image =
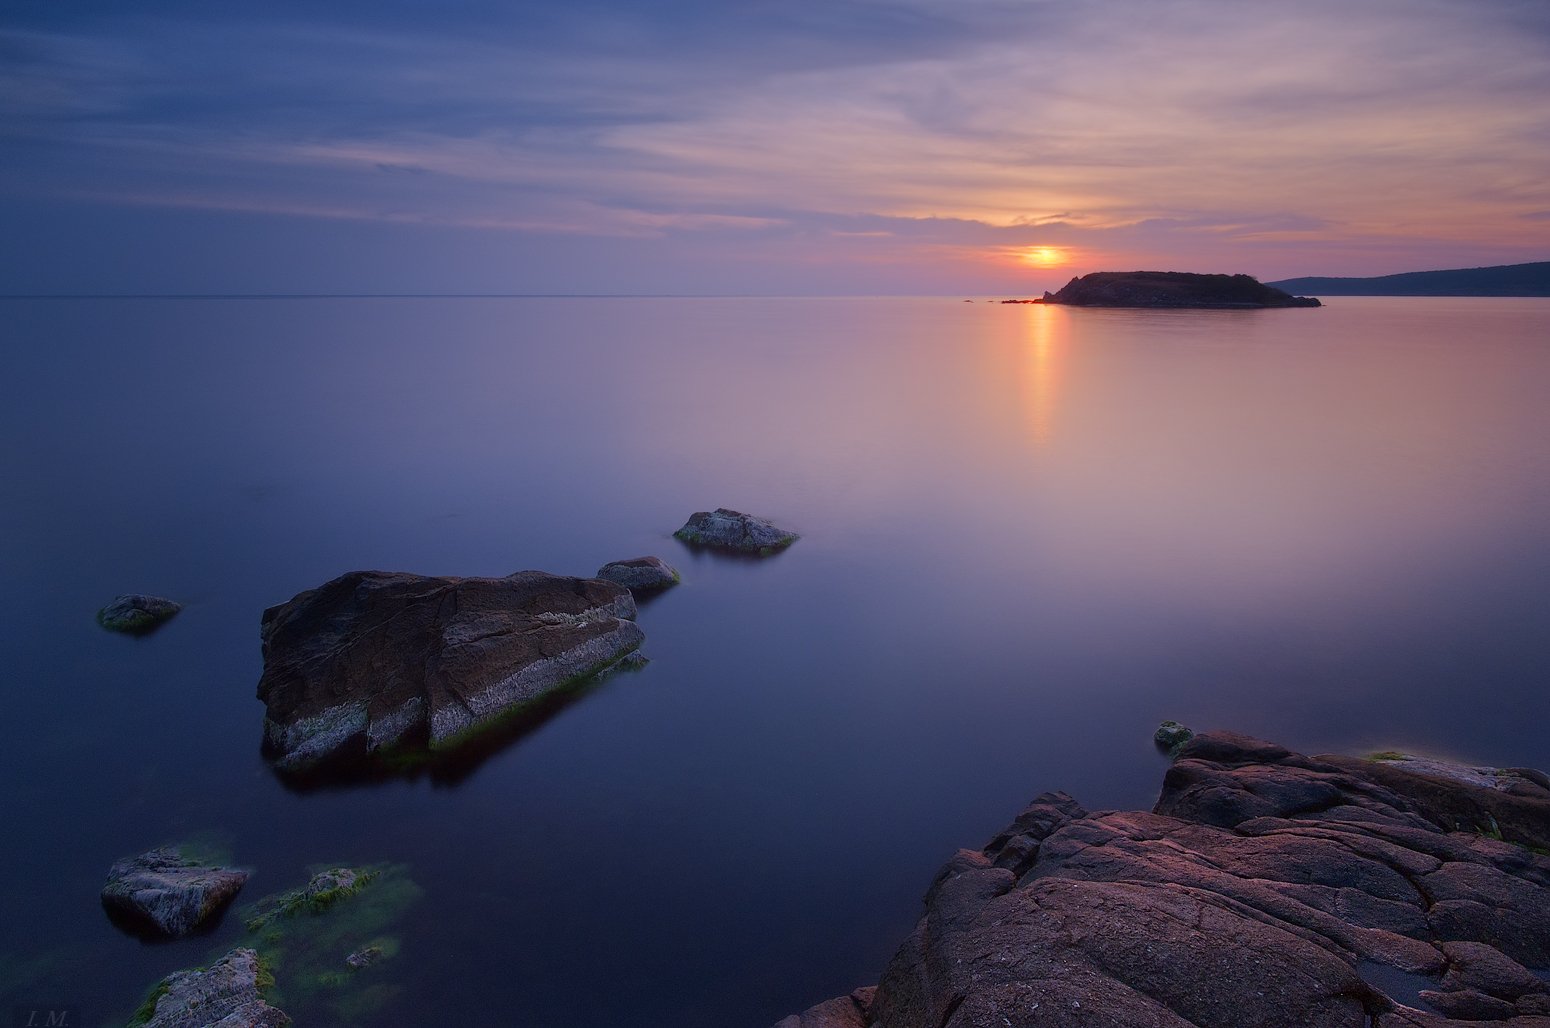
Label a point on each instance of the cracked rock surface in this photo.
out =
(224, 995)
(1266, 888)
(374, 659)
(162, 892)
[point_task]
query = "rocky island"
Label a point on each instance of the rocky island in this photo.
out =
(1265, 888)
(1172, 289)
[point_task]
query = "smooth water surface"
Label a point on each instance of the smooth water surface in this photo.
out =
(1029, 534)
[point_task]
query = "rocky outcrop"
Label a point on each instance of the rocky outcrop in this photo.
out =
(227, 994)
(1265, 889)
(165, 893)
(136, 614)
(1172, 289)
(640, 574)
(376, 660)
(724, 529)
(844, 1012)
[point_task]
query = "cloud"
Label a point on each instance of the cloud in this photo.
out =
(1198, 127)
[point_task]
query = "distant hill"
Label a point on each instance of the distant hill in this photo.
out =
(1504, 280)
(1171, 289)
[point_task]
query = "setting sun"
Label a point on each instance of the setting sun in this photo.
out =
(1044, 256)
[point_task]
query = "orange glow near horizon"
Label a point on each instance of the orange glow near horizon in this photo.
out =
(1044, 256)
(1043, 371)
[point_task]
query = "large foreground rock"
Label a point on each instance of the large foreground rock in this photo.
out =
(725, 529)
(227, 994)
(162, 892)
(1265, 889)
(375, 659)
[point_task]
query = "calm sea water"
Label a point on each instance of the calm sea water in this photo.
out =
(1029, 533)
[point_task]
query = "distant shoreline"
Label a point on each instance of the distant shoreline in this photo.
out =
(1503, 280)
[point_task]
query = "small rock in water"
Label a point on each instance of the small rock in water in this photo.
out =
(224, 995)
(136, 614)
(364, 957)
(732, 530)
(1170, 735)
(640, 574)
(166, 893)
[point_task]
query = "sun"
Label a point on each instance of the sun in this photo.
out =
(1044, 256)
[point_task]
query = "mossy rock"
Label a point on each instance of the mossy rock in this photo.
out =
(136, 614)
(147, 1008)
(1171, 737)
(307, 936)
(323, 890)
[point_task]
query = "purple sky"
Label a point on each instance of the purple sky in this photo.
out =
(848, 146)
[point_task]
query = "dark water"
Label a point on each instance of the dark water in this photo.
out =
(1029, 534)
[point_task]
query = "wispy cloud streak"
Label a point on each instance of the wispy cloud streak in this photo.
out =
(1242, 134)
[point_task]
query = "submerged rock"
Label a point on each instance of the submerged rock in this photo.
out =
(376, 660)
(364, 957)
(322, 891)
(731, 530)
(1265, 888)
(328, 940)
(136, 614)
(640, 574)
(163, 892)
(227, 994)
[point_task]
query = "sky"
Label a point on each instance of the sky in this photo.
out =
(762, 148)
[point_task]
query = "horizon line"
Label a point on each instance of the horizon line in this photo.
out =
(475, 296)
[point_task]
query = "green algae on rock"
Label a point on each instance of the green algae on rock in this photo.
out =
(322, 891)
(230, 992)
(327, 941)
(1171, 735)
(136, 614)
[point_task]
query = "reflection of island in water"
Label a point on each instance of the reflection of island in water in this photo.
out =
(1177, 289)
